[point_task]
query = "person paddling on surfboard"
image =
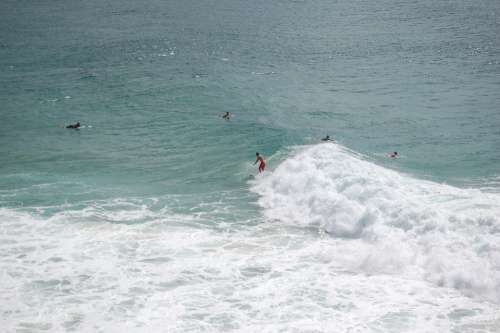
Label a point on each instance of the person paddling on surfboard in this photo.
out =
(262, 161)
(75, 126)
(327, 138)
(226, 115)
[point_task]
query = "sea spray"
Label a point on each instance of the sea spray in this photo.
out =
(440, 233)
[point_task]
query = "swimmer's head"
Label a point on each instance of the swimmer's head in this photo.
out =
(257, 154)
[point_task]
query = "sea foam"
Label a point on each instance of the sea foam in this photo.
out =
(387, 222)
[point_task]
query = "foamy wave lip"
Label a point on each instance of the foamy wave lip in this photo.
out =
(443, 234)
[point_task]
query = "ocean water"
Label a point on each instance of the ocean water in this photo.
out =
(152, 216)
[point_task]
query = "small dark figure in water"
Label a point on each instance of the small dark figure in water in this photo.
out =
(394, 154)
(226, 115)
(327, 138)
(75, 126)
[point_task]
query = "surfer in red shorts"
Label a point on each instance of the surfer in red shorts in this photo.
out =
(262, 164)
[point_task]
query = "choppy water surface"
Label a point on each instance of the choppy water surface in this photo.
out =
(151, 217)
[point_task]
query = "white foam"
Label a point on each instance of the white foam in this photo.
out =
(80, 270)
(391, 222)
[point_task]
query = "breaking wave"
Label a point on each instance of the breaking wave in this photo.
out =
(386, 222)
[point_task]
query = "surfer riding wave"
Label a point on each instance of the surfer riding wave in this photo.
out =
(262, 161)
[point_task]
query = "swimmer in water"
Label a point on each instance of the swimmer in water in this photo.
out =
(226, 115)
(394, 154)
(262, 161)
(75, 126)
(327, 138)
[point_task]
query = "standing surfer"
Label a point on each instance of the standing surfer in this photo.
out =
(262, 161)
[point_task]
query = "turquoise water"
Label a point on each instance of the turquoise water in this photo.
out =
(155, 161)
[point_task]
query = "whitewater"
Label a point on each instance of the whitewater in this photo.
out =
(342, 243)
(392, 223)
